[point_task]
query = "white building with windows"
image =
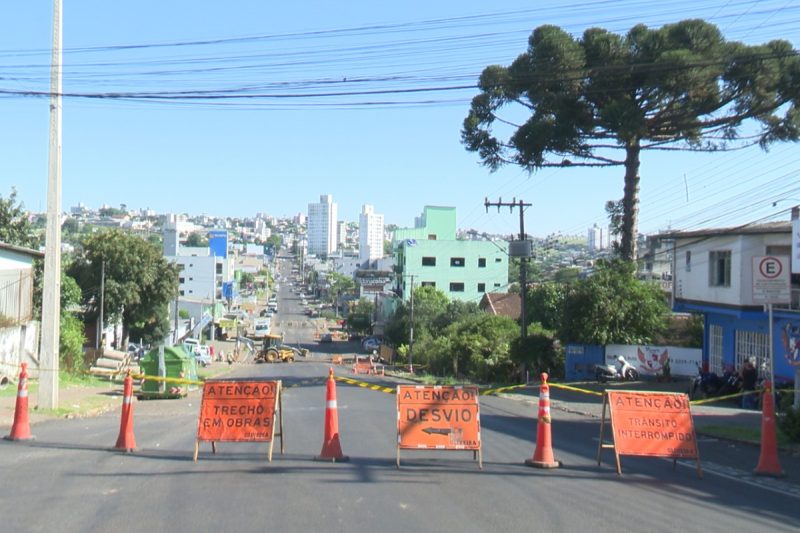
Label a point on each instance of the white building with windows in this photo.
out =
(322, 229)
(370, 234)
(595, 240)
(713, 275)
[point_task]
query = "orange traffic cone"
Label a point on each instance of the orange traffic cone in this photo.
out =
(331, 447)
(21, 429)
(768, 464)
(126, 441)
(543, 456)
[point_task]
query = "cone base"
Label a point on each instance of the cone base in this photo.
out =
(770, 472)
(124, 449)
(12, 438)
(542, 464)
(340, 459)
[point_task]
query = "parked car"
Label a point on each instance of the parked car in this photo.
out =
(203, 356)
(370, 344)
(325, 338)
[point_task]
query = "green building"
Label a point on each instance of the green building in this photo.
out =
(429, 254)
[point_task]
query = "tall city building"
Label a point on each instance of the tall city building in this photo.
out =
(595, 240)
(370, 234)
(341, 233)
(322, 230)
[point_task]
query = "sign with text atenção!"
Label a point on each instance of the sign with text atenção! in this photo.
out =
(653, 424)
(237, 411)
(440, 417)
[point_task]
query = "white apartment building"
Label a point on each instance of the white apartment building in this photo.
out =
(595, 240)
(370, 234)
(322, 229)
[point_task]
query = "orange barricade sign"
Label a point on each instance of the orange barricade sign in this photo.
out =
(240, 411)
(438, 417)
(654, 424)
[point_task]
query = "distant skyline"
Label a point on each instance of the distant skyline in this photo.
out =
(363, 101)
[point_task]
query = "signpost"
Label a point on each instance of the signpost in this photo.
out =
(438, 417)
(240, 411)
(771, 285)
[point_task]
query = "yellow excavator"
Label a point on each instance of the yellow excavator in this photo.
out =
(273, 350)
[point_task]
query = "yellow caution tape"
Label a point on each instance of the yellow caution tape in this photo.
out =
(726, 397)
(575, 389)
(488, 392)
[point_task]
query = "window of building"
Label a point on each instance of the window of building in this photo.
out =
(688, 260)
(181, 293)
(719, 268)
(429, 261)
(751, 344)
(715, 349)
(456, 261)
(181, 267)
(498, 259)
(181, 280)
(779, 250)
(496, 284)
(428, 284)
(432, 237)
(481, 287)
(219, 268)
(456, 287)
(481, 262)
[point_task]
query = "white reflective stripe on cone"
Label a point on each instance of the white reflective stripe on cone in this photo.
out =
(331, 404)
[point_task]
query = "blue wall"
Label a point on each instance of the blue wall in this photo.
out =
(580, 361)
(756, 321)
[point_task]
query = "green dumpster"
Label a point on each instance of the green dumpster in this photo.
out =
(178, 363)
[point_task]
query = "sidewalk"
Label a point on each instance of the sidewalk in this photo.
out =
(73, 402)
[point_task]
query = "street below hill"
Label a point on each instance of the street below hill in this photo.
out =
(70, 478)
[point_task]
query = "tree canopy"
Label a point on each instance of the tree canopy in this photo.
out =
(602, 98)
(15, 228)
(613, 307)
(139, 282)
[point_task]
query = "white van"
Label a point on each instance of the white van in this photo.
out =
(261, 327)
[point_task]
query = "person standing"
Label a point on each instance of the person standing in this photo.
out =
(749, 376)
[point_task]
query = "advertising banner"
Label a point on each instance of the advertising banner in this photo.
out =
(650, 360)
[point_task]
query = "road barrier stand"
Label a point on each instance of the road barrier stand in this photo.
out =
(126, 441)
(21, 429)
(240, 410)
(438, 417)
(768, 464)
(331, 446)
(543, 455)
(650, 424)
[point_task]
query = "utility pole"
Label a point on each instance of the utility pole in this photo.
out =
(411, 330)
(100, 325)
(523, 251)
(51, 291)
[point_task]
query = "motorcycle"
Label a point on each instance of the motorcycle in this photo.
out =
(624, 372)
(710, 385)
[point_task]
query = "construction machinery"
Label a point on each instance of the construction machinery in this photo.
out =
(273, 350)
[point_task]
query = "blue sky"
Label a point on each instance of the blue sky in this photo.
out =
(398, 152)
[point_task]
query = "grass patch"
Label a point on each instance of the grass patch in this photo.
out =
(744, 434)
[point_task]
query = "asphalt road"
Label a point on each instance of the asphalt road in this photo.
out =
(70, 479)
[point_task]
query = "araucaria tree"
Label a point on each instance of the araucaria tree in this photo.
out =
(603, 98)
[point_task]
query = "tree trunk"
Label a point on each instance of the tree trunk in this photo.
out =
(630, 201)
